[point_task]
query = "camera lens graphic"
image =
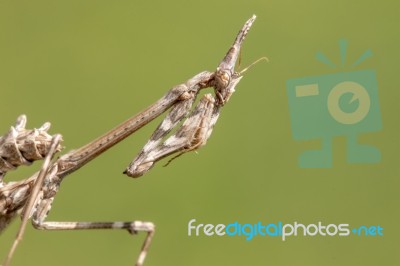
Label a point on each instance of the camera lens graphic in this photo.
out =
(359, 93)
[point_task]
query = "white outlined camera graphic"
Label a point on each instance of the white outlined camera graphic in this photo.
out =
(339, 104)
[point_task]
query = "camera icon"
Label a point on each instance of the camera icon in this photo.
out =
(340, 104)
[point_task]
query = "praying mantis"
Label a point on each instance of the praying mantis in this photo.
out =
(33, 196)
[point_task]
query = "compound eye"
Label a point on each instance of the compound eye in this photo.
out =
(224, 78)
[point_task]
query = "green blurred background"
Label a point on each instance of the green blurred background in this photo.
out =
(88, 65)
